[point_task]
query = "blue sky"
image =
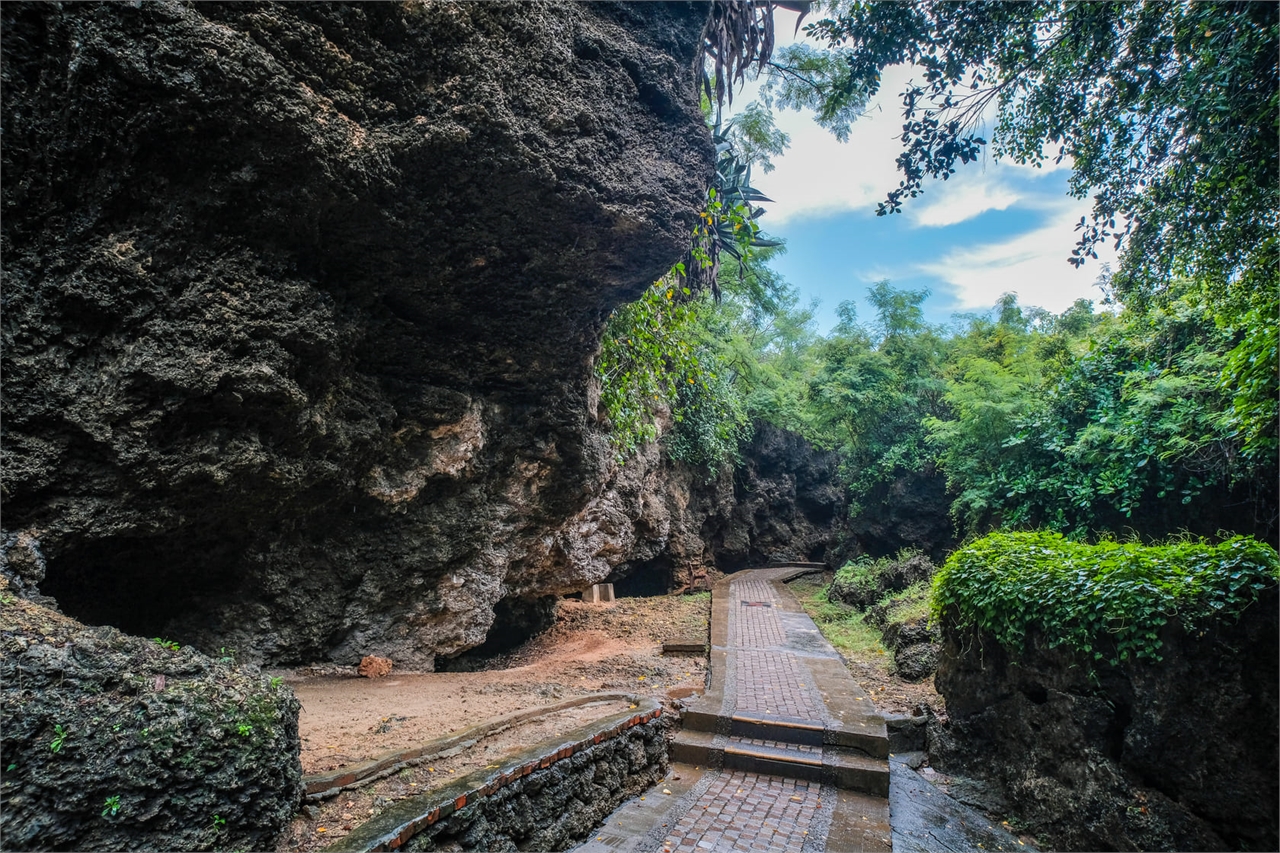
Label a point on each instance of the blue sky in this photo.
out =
(993, 227)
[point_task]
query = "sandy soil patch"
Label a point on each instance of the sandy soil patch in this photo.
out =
(591, 648)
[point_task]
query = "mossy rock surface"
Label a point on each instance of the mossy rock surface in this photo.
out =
(907, 631)
(116, 742)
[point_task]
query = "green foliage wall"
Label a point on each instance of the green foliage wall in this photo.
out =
(1106, 601)
(1097, 421)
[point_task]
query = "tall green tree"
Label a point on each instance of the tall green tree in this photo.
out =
(875, 386)
(1089, 422)
(1167, 112)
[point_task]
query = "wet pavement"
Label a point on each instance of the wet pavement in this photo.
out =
(926, 820)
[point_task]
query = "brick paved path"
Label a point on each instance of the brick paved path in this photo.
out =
(784, 752)
(747, 811)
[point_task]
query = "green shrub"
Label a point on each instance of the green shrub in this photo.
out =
(1108, 600)
(863, 582)
(857, 579)
(909, 605)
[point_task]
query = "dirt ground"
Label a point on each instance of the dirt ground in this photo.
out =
(591, 648)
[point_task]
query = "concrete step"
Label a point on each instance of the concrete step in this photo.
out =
(696, 748)
(872, 740)
(776, 727)
(774, 758)
(834, 765)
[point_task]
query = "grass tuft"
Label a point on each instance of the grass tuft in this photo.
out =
(843, 626)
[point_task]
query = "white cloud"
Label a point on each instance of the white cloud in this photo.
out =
(954, 202)
(1033, 265)
(819, 175)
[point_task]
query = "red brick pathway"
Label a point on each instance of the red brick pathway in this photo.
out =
(768, 679)
(769, 663)
(747, 811)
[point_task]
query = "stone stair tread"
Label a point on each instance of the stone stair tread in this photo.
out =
(755, 717)
(695, 747)
(846, 769)
(775, 751)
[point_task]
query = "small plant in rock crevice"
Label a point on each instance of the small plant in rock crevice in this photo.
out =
(909, 605)
(59, 738)
(865, 581)
(111, 806)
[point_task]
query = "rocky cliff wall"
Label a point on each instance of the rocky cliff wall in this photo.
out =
(300, 303)
(912, 511)
(660, 524)
(1181, 754)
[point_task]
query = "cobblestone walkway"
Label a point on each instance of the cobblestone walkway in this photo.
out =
(747, 811)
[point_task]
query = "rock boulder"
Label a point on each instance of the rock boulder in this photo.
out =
(1180, 754)
(112, 742)
(301, 300)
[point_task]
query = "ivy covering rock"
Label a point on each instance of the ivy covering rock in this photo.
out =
(1105, 601)
(1115, 696)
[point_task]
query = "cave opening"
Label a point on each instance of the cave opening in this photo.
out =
(644, 580)
(1038, 694)
(140, 585)
(516, 620)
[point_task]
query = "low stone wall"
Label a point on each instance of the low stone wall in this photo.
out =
(546, 798)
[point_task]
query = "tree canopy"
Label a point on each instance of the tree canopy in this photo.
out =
(1158, 416)
(1167, 112)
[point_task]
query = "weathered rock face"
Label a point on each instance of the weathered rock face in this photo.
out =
(894, 596)
(1176, 755)
(865, 589)
(911, 512)
(786, 504)
(658, 523)
(300, 303)
(112, 742)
